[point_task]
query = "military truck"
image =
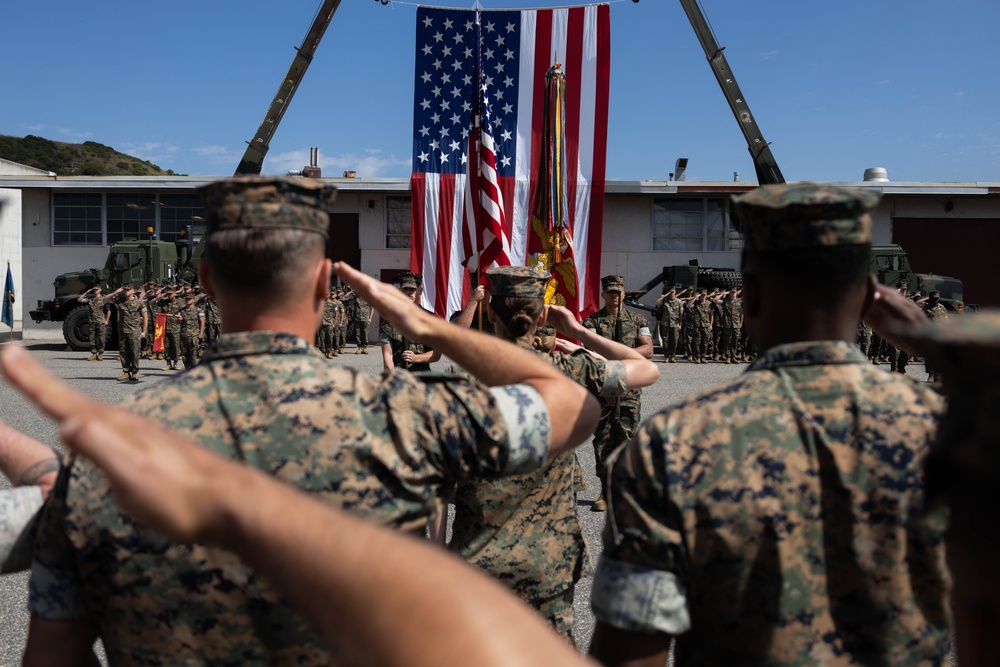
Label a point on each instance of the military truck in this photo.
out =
(889, 263)
(129, 261)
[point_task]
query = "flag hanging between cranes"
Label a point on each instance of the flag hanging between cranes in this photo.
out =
(516, 48)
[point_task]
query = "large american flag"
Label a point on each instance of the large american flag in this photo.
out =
(516, 49)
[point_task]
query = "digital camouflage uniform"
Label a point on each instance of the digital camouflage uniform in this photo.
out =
(171, 307)
(670, 326)
(399, 343)
(213, 321)
(97, 316)
(701, 326)
(778, 518)
(361, 312)
(130, 332)
(192, 317)
(864, 337)
(524, 530)
(786, 503)
(937, 313)
(619, 416)
(730, 314)
(340, 326)
(325, 338)
(380, 448)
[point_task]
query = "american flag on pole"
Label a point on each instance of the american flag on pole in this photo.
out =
(516, 49)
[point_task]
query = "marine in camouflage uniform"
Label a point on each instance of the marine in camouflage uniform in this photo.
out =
(324, 339)
(171, 306)
(937, 313)
(524, 529)
(97, 316)
(361, 312)
(379, 448)
(213, 322)
(864, 337)
(701, 327)
(395, 345)
(963, 472)
(192, 330)
(133, 320)
(340, 323)
(670, 321)
(620, 416)
(776, 519)
(730, 322)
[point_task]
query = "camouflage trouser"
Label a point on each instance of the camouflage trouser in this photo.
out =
(361, 332)
(727, 342)
(558, 611)
(339, 337)
(98, 334)
(212, 332)
(129, 349)
(325, 338)
(172, 346)
(189, 350)
(702, 340)
(864, 342)
(613, 430)
(669, 335)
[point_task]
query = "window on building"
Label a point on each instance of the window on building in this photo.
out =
(131, 216)
(76, 219)
(693, 224)
(177, 213)
(397, 221)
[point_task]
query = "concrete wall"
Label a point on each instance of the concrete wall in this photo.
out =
(10, 251)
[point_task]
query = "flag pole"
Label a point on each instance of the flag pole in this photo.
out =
(479, 281)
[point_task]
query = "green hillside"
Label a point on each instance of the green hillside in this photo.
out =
(87, 159)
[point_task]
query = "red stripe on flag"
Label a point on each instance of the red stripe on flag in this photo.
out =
(418, 198)
(574, 75)
(445, 217)
(593, 291)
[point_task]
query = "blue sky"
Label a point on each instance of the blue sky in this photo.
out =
(835, 86)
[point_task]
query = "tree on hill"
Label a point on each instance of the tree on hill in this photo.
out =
(65, 159)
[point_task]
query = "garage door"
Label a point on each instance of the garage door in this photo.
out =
(966, 249)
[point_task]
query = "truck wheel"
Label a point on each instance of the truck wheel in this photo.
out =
(76, 329)
(727, 279)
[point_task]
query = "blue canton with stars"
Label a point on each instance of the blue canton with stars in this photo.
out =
(444, 94)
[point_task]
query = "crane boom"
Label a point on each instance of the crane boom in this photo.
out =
(763, 160)
(253, 158)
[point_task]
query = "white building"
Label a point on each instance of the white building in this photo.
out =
(51, 225)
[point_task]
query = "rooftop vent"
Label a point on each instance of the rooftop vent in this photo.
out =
(876, 174)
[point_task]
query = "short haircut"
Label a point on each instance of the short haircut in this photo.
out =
(823, 272)
(269, 262)
(517, 314)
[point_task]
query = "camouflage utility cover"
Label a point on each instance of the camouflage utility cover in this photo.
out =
(804, 215)
(776, 519)
(379, 448)
(519, 281)
(267, 202)
(613, 284)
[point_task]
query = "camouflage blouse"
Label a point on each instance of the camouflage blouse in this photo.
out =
(776, 519)
(380, 448)
(523, 530)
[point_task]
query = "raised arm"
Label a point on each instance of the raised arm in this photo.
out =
(379, 599)
(640, 371)
(572, 411)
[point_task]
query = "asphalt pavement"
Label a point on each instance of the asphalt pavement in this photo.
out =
(99, 380)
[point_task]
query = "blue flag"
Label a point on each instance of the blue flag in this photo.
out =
(8, 299)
